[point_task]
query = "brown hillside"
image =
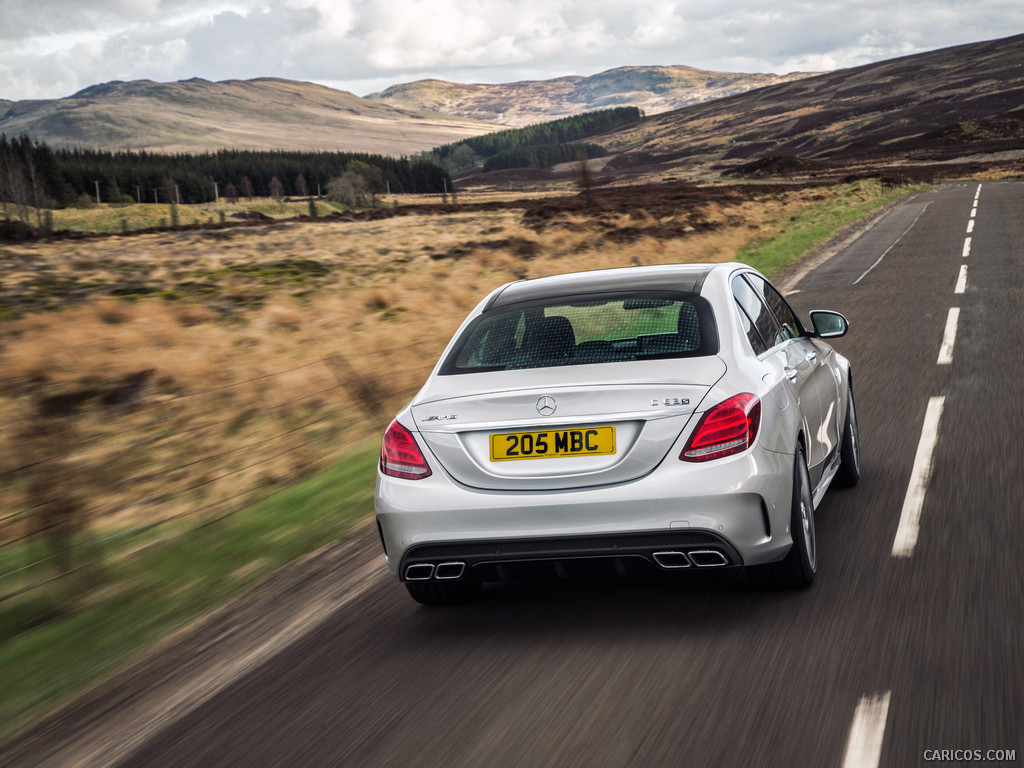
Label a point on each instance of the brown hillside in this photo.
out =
(262, 114)
(652, 89)
(964, 103)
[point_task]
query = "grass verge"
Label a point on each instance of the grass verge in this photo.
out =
(47, 655)
(816, 225)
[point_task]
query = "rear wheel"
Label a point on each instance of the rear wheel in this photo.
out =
(443, 592)
(796, 570)
(849, 452)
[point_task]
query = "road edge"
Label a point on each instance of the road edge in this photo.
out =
(118, 715)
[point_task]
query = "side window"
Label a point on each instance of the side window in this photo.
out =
(789, 325)
(754, 316)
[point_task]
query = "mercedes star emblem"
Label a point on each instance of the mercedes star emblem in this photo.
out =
(546, 405)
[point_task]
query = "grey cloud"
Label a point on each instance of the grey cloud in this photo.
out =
(26, 18)
(53, 50)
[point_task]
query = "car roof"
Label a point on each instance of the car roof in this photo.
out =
(686, 278)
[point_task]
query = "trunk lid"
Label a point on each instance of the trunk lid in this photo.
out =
(534, 429)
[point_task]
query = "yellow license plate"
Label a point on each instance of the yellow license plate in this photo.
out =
(553, 443)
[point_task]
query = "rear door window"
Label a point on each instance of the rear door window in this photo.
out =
(755, 317)
(789, 325)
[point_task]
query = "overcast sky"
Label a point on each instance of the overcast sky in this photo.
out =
(52, 48)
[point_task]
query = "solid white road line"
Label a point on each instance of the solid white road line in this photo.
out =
(967, 247)
(864, 744)
(893, 245)
(949, 337)
(961, 281)
(920, 475)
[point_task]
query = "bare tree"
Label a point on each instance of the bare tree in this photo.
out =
(247, 189)
(584, 177)
(169, 190)
(276, 190)
(32, 178)
(301, 186)
(18, 189)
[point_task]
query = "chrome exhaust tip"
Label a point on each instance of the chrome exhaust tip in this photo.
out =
(449, 570)
(708, 558)
(419, 572)
(671, 560)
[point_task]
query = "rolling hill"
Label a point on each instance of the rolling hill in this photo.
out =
(269, 113)
(954, 105)
(196, 115)
(652, 89)
(959, 104)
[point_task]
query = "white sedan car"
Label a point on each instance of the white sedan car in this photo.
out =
(668, 417)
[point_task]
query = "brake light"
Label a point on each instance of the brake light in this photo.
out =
(730, 427)
(400, 456)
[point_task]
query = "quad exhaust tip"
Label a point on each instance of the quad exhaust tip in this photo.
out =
(419, 572)
(700, 558)
(708, 558)
(445, 571)
(441, 571)
(671, 560)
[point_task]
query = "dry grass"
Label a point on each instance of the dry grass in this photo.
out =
(329, 325)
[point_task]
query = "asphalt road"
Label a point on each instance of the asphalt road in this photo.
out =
(910, 642)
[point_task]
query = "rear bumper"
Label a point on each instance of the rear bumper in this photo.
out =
(504, 559)
(738, 507)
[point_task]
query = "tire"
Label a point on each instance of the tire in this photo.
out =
(849, 451)
(796, 570)
(443, 592)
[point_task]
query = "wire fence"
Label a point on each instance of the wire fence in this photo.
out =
(194, 481)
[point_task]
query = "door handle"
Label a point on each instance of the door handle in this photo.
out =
(791, 373)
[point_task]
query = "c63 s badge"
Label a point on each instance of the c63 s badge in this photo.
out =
(671, 401)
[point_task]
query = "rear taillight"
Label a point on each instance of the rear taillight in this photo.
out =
(400, 456)
(730, 427)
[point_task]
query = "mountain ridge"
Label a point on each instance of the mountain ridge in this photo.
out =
(654, 89)
(931, 107)
(199, 115)
(274, 113)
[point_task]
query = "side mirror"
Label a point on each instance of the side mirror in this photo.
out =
(828, 325)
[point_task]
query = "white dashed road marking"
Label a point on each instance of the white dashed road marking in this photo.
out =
(920, 475)
(949, 337)
(864, 744)
(961, 281)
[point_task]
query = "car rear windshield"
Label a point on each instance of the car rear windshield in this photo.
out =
(585, 331)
